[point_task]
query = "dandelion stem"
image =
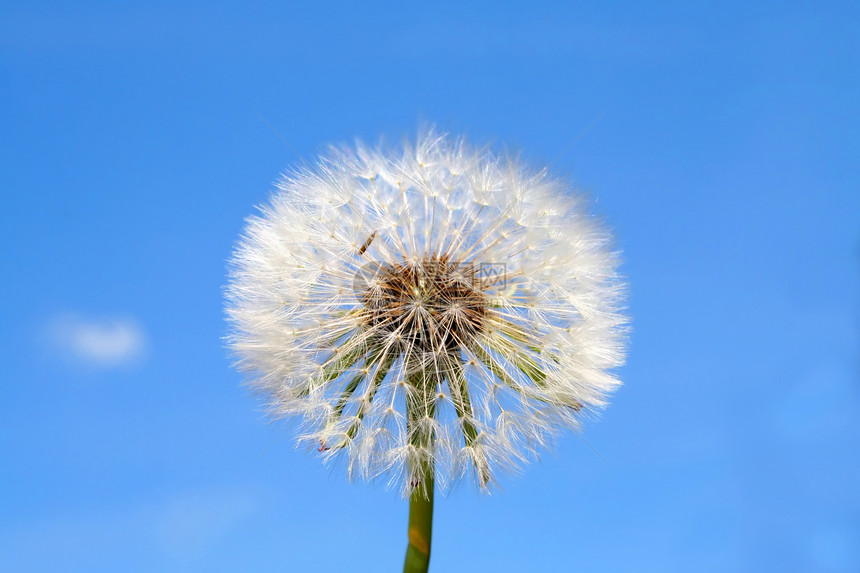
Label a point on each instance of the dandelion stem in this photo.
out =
(420, 527)
(420, 404)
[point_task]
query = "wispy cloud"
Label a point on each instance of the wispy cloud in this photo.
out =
(182, 531)
(99, 342)
(190, 525)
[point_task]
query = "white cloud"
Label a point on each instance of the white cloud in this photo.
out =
(99, 342)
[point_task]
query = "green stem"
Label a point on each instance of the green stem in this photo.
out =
(420, 528)
(420, 403)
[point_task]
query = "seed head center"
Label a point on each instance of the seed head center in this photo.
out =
(432, 304)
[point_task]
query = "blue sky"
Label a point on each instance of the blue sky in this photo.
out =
(724, 155)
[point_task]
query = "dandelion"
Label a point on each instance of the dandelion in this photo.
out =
(430, 313)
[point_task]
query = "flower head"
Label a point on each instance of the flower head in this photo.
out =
(433, 306)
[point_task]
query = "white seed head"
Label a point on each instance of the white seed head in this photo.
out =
(433, 306)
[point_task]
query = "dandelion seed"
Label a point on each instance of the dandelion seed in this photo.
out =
(431, 313)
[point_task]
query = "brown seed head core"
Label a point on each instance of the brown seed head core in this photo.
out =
(431, 305)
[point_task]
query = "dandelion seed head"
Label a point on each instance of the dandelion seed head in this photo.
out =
(433, 304)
